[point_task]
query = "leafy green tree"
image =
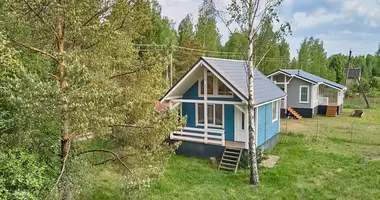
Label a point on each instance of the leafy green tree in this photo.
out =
(294, 64)
(284, 54)
(376, 67)
(207, 34)
(92, 78)
(185, 31)
(235, 47)
(337, 63)
(370, 64)
(313, 58)
(184, 58)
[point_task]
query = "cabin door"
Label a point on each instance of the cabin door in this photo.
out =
(240, 126)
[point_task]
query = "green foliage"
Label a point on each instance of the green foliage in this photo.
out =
(244, 160)
(375, 83)
(312, 58)
(207, 34)
(337, 64)
(237, 43)
(21, 175)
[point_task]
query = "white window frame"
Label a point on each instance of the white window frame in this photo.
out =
(300, 93)
(215, 88)
(275, 104)
(208, 124)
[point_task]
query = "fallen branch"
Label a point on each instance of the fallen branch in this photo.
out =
(62, 171)
(107, 151)
(108, 160)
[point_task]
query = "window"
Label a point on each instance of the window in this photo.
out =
(242, 121)
(214, 114)
(210, 85)
(223, 89)
(304, 94)
(274, 111)
(215, 88)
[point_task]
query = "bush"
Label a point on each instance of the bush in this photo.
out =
(21, 175)
(244, 160)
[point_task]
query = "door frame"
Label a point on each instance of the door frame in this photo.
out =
(237, 122)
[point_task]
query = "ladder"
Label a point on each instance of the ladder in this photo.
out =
(230, 159)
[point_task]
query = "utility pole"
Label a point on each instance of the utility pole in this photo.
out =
(357, 79)
(171, 68)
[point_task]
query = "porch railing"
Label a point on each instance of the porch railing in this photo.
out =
(200, 135)
(323, 101)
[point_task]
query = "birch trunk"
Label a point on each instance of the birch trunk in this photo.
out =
(254, 174)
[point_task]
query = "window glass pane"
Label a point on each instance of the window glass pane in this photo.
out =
(200, 114)
(242, 121)
(274, 111)
(210, 85)
(218, 114)
(210, 114)
(304, 93)
(223, 89)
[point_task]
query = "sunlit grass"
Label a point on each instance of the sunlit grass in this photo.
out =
(306, 170)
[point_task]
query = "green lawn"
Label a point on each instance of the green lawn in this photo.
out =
(364, 130)
(307, 169)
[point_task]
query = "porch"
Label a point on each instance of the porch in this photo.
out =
(328, 96)
(205, 136)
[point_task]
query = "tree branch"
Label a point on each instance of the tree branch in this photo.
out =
(262, 58)
(38, 15)
(107, 151)
(122, 74)
(62, 170)
(37, 50)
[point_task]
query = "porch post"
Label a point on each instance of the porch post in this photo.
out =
(205, 103)
(286, 98)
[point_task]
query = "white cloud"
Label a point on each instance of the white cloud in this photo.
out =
(320, 16)
(369, 9)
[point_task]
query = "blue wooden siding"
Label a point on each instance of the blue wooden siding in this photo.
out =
(188, 110)
(266, 128)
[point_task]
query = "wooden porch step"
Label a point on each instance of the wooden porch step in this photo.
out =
(332, 111)
(232, 152)
(294, 113)
(227, 168)
(230, 162)
(228, 156)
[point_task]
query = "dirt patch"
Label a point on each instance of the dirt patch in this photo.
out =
(373, 157)
(270, 162)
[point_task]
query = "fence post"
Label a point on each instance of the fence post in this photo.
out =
(317, 128)
(352, 129)
(286, 122)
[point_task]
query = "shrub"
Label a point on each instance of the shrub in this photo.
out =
(21, 175)
(244, 160)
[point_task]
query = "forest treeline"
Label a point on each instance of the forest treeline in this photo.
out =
(80, 81)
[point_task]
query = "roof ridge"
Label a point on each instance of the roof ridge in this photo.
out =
(205, 57)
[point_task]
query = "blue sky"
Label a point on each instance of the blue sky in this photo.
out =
(341, 24)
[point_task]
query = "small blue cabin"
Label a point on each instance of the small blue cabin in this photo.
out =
(213, 96)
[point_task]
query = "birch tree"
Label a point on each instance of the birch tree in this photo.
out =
(250, 17)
